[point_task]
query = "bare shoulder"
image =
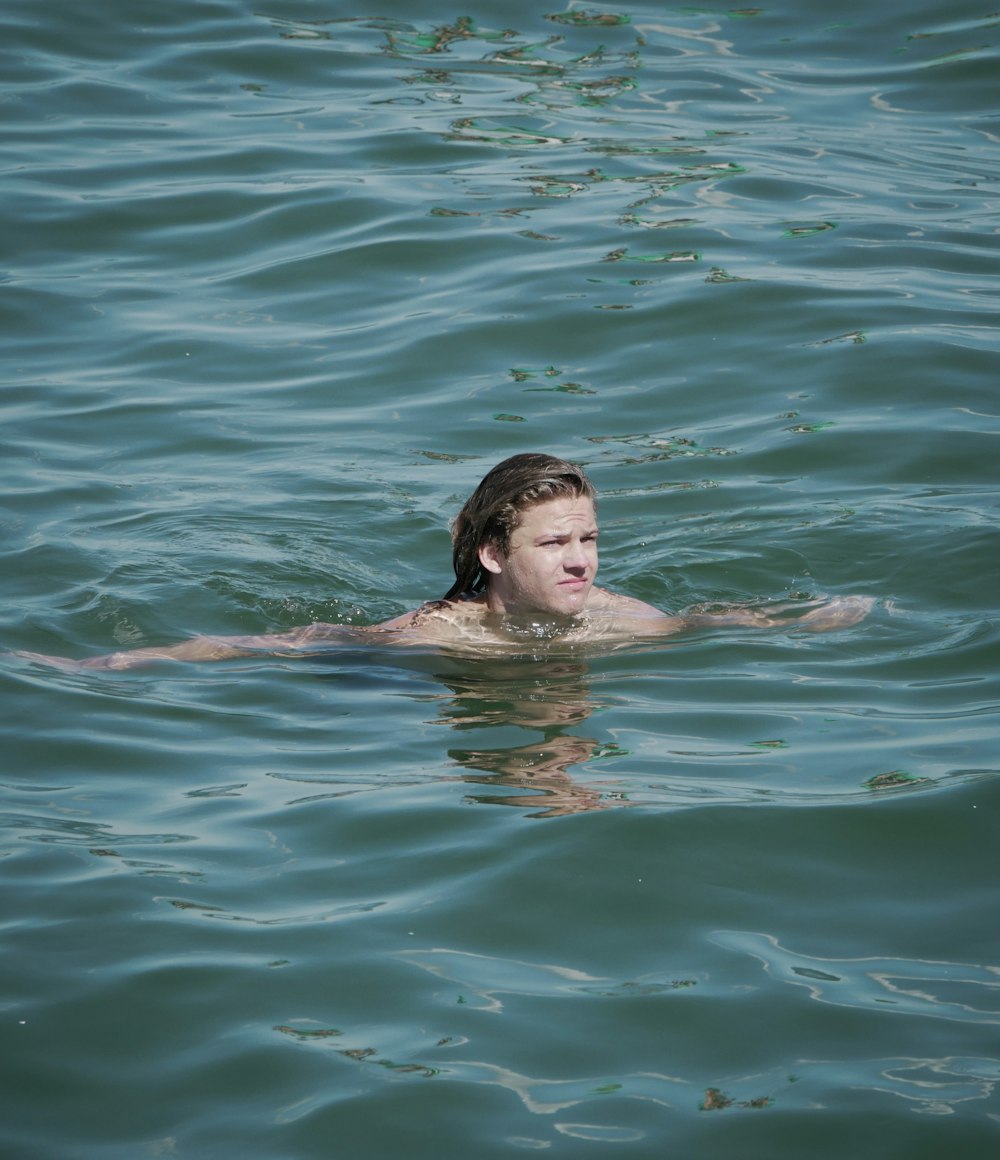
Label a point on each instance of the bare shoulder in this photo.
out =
(612, 614)
(434, 620)
(604, 600)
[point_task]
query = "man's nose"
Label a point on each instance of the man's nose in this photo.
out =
(575, 558)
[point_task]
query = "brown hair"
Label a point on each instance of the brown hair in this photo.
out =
(494, 509)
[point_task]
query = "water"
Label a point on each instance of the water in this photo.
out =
(279, 284)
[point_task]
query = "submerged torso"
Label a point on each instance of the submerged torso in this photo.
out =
(470, 621)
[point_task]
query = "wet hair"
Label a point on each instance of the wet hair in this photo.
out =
(493, 511)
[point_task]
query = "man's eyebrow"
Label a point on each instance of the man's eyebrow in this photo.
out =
(553, 535)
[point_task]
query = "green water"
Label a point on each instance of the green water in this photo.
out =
(278, 286)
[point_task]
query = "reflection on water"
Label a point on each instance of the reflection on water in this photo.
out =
(487, 977)
(477, 983)
(539, 769)
(957, 991)
(546, 698)
(97, 836)
(575, 729)
(931, 1085)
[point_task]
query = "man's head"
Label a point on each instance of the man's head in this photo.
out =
(483, 529)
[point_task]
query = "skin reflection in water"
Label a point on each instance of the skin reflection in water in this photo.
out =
(553, 698)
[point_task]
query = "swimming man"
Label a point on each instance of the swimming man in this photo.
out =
(524, 549)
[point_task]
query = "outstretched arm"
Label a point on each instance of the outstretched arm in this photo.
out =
(813, 615)
(838, 612)
(207, 648)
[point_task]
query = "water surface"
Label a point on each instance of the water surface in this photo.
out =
(278, 286)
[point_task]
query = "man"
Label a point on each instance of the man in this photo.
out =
(524, 550)
(525, 558)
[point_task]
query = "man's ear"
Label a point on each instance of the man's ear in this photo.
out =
(491, 557)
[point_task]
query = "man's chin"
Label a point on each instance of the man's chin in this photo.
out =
(563, 602)
(573, 600)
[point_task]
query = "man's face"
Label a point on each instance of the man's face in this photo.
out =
(552, 560)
